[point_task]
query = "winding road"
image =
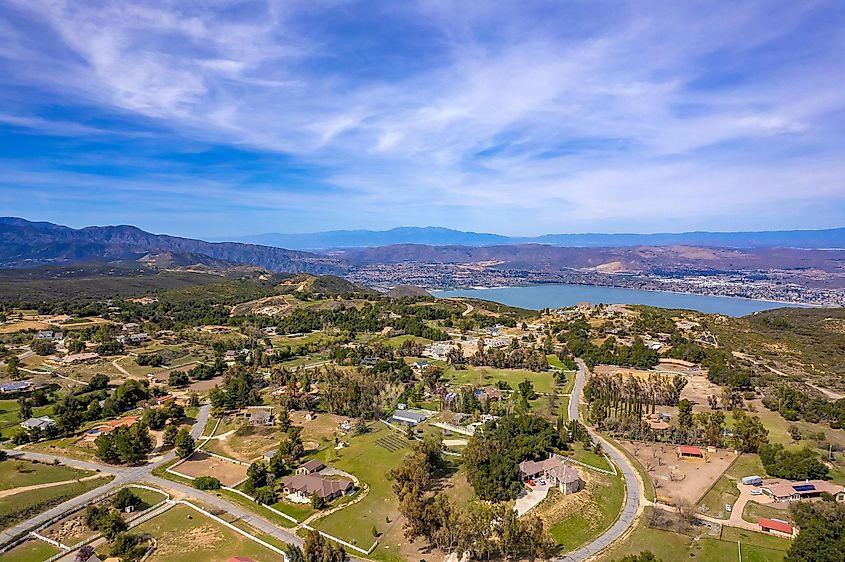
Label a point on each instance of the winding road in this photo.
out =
(634, 495)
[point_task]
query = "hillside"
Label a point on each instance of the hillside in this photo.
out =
(807, 344)
(27, 244)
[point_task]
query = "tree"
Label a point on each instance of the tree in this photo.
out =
(294, 553)
(178, 379)
(24, 408)
(526, 389)
(43, 347)
(685, 419)
(256, 475)
(318, 549)
(822, 536)
(170, 433)
(12, 363)
(318, 502)
(265, 495)
(124, 498)
(185, 444)
(206, 483)
(749, 432)
(793, 465)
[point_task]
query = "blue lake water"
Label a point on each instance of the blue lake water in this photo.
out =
(557, 296)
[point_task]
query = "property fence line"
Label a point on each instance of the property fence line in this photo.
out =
(235, 528)
(343, 542)
(49, 541)
(141, 517)
(612, 470)
(269, 508)
(222, 458)
(455, 428)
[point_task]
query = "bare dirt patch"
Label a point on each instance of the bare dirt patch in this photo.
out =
(679, 480)
(203, 464)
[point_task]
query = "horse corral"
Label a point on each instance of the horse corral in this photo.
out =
(679, 480)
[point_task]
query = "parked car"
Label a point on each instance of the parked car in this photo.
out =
(531, 483)
(756, 492)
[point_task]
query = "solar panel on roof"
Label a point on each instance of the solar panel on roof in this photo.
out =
(804, 487)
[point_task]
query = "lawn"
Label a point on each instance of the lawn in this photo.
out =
(185, 535)
(589, 457)
(724, 491)
(754, 510)
(370, 462)
(604, 504)
(30, 551)
(544, 382)
(670, 546)
(20, 473)
(19, 507)
(9, 420)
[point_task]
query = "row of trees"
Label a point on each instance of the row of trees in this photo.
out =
(617, 396)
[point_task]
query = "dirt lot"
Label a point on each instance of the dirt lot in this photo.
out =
(676, 479)
(202, 464)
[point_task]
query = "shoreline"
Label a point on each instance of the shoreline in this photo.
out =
(750, 299)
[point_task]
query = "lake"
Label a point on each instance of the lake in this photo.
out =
(537, 297)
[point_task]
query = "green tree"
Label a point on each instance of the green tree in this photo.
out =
(749, 432)
(685, 419)
(24, 408)
(185, 444)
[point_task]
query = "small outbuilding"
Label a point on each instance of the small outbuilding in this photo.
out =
(690, 452)
(777, 527)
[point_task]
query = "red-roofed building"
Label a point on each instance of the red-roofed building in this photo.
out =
(777, 527)
(689, 451)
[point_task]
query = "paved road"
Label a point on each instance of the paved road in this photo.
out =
(144, 474)
(123, 475)
(633, 486)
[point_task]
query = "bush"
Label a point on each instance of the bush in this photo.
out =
(125, 498)
(206, 483)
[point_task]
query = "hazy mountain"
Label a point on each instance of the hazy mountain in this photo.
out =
(433, 236)
(27, 244)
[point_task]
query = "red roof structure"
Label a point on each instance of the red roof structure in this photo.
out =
(690, 450)
(773, 525)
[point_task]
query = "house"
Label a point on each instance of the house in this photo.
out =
(310, 467)
(789, 491)
(554, 470)
(230, 355)
(259, 415)
(420, 366)
(303, 486)
(310, 416)
(130, 327)
(345, 425)
(777, 527)
(269, 454)
(407, 417)
(108, 427)
(75, 358)
(488, 393)
(494, 331)
(44, 335)
(689, 451)
(438, 350)
(139, 338)
(496, 343)
(17, 386)
(43, 423)
(369, 361)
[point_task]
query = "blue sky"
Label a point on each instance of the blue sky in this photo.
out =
(217, 119)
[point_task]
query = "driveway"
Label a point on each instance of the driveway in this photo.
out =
(530, 497)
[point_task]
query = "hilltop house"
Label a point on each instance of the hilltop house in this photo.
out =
(308, 482)
(407, 417)
(17, 386)
(554, 470)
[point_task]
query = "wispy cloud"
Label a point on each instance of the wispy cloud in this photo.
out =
(579, 115)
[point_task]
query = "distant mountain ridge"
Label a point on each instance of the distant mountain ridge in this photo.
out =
(436, 236)
(28, 244)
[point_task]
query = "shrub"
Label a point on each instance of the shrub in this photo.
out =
(206, 483)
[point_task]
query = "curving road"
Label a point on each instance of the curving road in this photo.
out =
(633, 486)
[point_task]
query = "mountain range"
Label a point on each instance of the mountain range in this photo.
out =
(27, 243)
(435, 236)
